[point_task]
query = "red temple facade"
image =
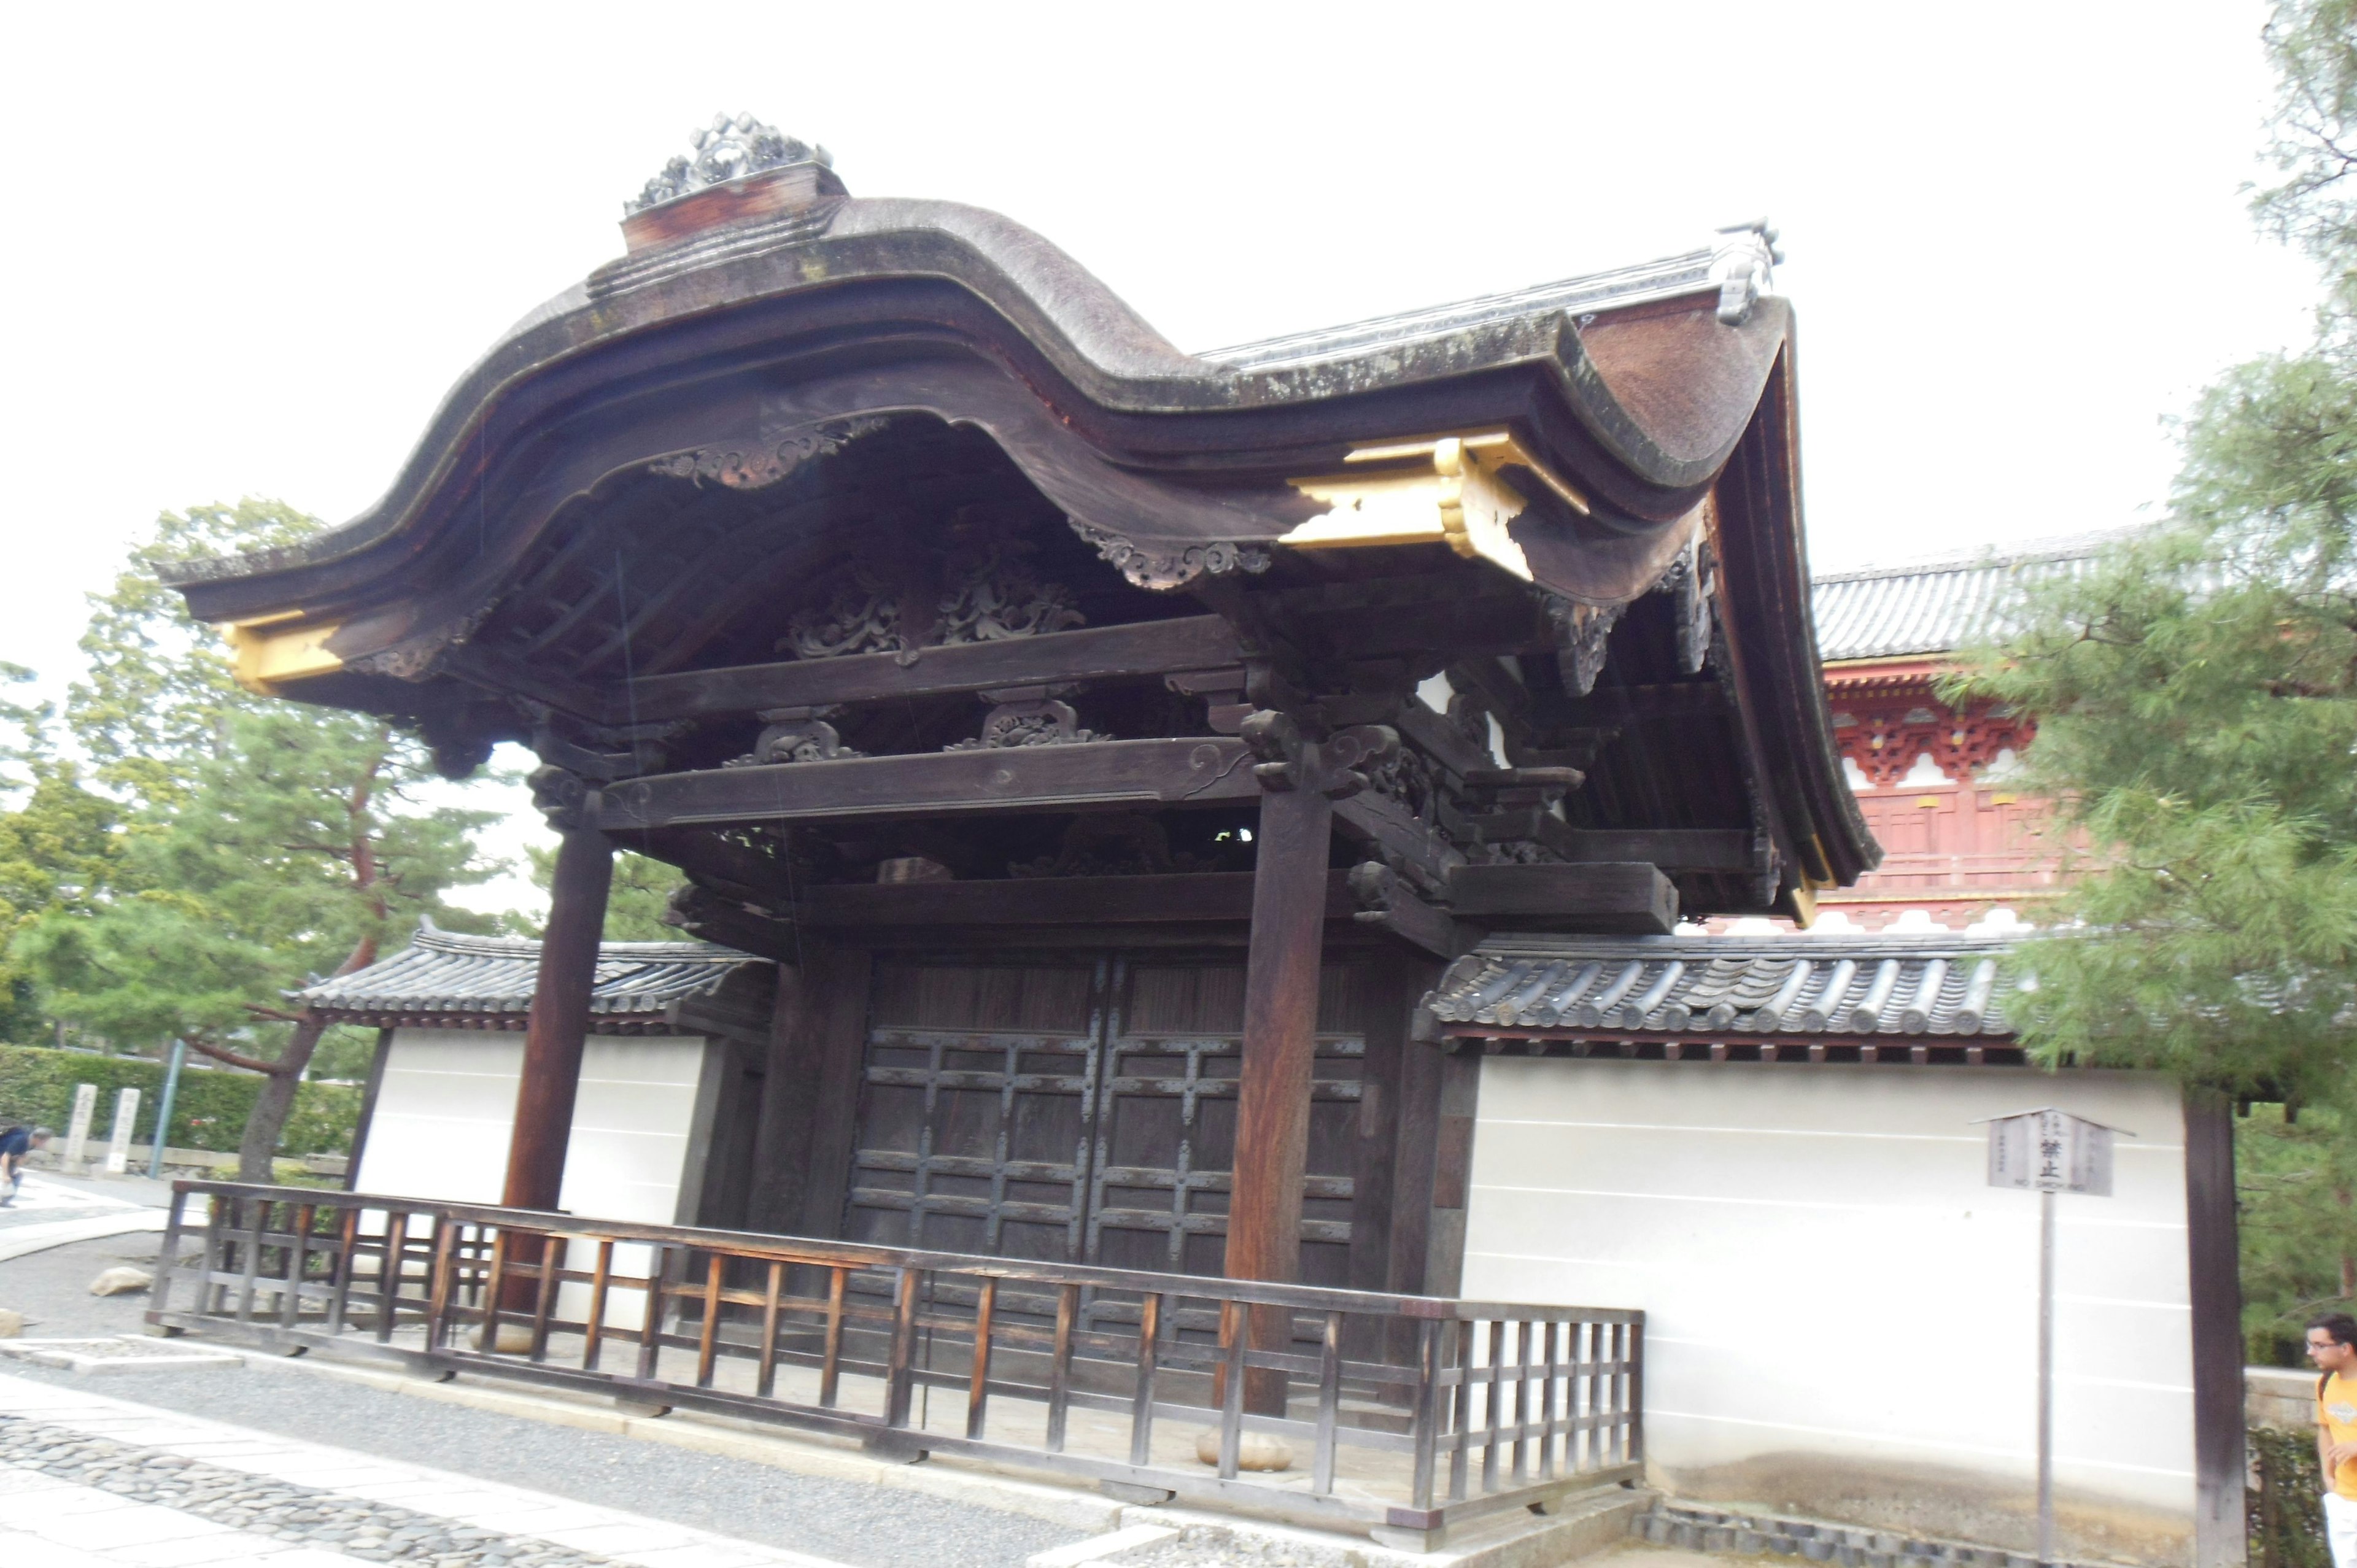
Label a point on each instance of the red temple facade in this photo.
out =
(1963, 845)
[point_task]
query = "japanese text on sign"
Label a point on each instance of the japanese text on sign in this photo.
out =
(2050, 1151)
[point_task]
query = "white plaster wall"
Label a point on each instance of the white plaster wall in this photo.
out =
(447, 1105)
(447, 1102)
(1835, 1299)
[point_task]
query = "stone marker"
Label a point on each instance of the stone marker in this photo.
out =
(85, 1106)
(118, 1142)
(12, 1324)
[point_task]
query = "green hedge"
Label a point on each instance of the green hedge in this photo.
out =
(37, 1087)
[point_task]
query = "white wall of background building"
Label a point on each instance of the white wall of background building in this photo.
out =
(1841, 1313)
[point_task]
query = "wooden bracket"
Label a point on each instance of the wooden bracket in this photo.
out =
(1290, 760)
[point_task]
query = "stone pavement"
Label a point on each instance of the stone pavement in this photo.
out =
(88, 1480)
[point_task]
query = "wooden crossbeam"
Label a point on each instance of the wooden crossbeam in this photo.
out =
(848, 912)
(1100, 776)
(1671, 849)
(1599, 897)
(1096, 653)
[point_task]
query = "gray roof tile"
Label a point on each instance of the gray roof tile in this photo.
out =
(448, 974)
(1938, 605)
(1938, 986)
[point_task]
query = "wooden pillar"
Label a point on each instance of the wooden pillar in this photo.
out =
(559, 1023)
(1301, 779)
(1289, 928)
(2214, 1259)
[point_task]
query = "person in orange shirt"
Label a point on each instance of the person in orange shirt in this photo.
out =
(2332, 1346)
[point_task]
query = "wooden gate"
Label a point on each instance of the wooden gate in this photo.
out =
(1083, 1110)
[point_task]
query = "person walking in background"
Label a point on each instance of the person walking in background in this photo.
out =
(14, 1144)
(2332, 1346)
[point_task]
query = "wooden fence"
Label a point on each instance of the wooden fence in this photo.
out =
(1415, 1414)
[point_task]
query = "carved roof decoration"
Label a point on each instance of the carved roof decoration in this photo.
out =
(723, 151)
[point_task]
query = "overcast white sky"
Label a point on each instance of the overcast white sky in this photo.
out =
(249, 247)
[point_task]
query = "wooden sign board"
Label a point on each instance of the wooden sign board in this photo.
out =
(2050, 1151)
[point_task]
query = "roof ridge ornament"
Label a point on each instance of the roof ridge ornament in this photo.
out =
(1742, 263)
(723, 151)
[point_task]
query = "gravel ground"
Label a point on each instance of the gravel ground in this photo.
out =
(1205, 1547)
(853, 1522)
(378, 1533)
(52, 1288)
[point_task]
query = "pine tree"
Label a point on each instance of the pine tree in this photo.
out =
(264, 842)
(2197, 697)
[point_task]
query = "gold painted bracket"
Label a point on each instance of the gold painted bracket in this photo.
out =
(267, 660)
(1444, 490)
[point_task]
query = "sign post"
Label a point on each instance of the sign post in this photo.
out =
(2046, 1152)
(163, 1109)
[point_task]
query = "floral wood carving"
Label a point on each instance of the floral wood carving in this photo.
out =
(999, 598)
(996, 598)
(1582, 632)
(1403, 775)
(799, 740)
(1164, 573)
(741, 471)
(725, 150)
(862, 616)
(1048, 723)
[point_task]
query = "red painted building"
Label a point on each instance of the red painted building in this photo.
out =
(1963, 845)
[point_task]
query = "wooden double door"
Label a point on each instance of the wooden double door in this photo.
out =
(1084, 1109)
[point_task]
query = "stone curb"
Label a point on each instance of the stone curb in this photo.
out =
(1695, 1528)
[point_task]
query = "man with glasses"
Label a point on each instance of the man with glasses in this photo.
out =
(2332, 1346)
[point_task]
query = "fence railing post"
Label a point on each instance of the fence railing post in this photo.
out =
(1141, 1404)
(899, 1381)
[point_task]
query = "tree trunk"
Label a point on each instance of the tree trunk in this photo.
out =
(272, 1106)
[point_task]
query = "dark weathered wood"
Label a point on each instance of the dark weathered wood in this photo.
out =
(837, 1022)
(559, 1020)
(1104, 775)
(1279, 1050)
(810, 1004)
(1394, 988)
(2212, 1254)
(1415, 1146)
(1054, 900)
(1096, 653)
(1418, 924)
(1452, 1173)
(1617, 895)
(1374, 818)
(1671, 849)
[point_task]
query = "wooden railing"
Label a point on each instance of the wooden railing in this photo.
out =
(1415, 1414)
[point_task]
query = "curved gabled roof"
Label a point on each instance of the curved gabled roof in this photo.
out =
(1611, 408)
(1629, 384)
